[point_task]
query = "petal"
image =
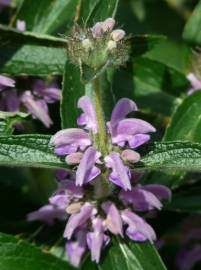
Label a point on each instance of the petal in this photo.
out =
(138, 229)
(21, 25)
(95, 239)
(79, 219)
(133, 126)
(63, 150)
(47, 214)
(6, 82)
(138, 140)
(195, 82)
(87, 106)
(86, 170)
(76, 249)
(97, 30)
(71, 136)
(118, 34)
(114, 161)
(108, 25)
(141, 200)
(123, 107)
(59, 200)
(160, 191)
(113, 220)
(36, 108)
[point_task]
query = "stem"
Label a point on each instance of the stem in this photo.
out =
(101, 139)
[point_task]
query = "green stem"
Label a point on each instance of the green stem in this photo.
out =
(101, 139)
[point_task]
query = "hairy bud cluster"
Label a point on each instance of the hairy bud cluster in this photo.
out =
(98, 46)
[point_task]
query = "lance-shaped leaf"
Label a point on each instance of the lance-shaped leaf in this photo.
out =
(30, 54)
(128, 255)
(28, 151)
(192, 30)
(173, 155)
(21, 255)
(186, 123)
(48, 17)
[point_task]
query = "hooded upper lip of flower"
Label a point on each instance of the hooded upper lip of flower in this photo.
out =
(6, 82)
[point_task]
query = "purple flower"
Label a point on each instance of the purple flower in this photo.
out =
(47, 214)
(96, 239)
(88, 118)
(21, 25)
(76, 249)
(70, 140)
(6, 82)
(38, 108)
(120, 174)
(79, 219)
(195, 83)
(49, 93)
(138, 229)
(102, 193)
(132, 130)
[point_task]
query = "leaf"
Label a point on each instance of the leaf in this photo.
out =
(173, 155)
(16, 254)
(72, 90)
(154, 76)
(140, 44)
(92, 11)
(30, 54)
(186, 121)
(129, 255)
(48, 17)
(28, 151)
(10, 35)
(8, 119)
(192, 30)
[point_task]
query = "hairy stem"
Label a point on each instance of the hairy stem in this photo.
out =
(101, 139)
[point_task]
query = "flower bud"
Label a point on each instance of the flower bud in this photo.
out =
(86, 43)
(108, 25)
(74, 158)
(118, 34)
(97, 30)
(130, 155)
(73, 208)
(111, 45)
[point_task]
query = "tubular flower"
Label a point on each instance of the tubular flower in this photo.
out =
(34, 102)
(195, 83)
(86, 195)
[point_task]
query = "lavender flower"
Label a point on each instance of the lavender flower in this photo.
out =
(195, 83)
(87, 194)
(35, 101)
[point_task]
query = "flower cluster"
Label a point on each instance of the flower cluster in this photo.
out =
(98, 46)
(101, 196)
(34, 102)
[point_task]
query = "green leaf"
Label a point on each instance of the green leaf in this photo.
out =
(140, 44)
(28, 151)
(30, 54)
(92, 11)
(10, 35)
(48, 17)
(72, 90)
(129, 255)
(186, 122)
(8, 119)
(16, 254)
(173, 155)
(192, 30)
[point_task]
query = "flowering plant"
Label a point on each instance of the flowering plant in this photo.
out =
(100, 146)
